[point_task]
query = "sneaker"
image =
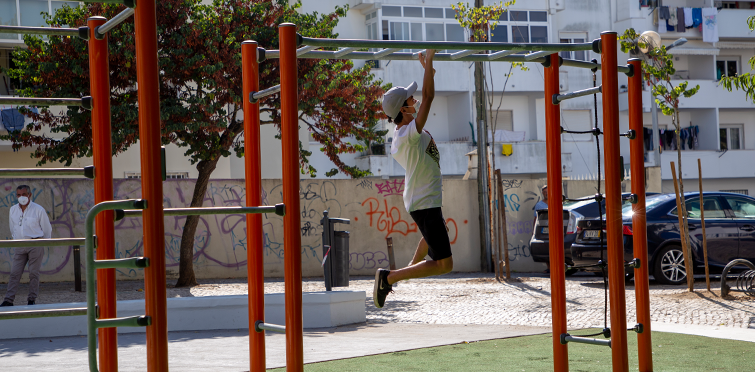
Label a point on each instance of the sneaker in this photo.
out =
(31, 302)
(6, 303)
(382, 288)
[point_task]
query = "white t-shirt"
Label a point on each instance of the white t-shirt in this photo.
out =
(417, 153)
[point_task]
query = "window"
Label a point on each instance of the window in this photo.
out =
(730, 137)
(579, 55)
(135, 175)
(176, 175)
(501, 120)
(742, 208)
(391, 11)
(429, 24)
(727, 66)
(577, 120)
(29, 12)
(711, 205)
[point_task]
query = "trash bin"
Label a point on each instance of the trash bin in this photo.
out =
(335, 251)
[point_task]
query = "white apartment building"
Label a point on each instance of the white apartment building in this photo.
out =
(725, 120)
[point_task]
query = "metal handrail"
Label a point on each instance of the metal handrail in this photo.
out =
(261, 326)
(278, 209)
(256, 96)
(57, 242)
(28, 30)
(44, 313)
(87, 172)
(558, 98)
(85, 102)
(102, 30)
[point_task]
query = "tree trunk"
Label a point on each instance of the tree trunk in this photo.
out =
(684, 228)
(186, 276)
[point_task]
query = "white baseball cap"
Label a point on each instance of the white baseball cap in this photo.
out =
(394, 99)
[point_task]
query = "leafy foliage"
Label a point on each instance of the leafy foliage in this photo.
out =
(746, 81)
(200, 81)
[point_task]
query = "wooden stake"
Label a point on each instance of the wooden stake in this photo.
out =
(702, 221)
(504, 228)
(682, 235)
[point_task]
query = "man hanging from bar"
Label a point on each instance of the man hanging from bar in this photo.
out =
(414, 148)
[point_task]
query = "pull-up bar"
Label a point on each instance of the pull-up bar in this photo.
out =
(87, 172)
(256, 96)
(100, 31)
(55, 31)
(557, 98)
(85, 102)
(278, 209)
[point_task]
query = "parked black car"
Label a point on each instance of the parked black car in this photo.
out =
(574, 212)
(729, 226)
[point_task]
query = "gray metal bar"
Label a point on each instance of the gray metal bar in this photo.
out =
(404, 56)
(384, 52)
(260, 326)
(41, 172)
(59, 242)
(207, 211)
(60, 31)
(305, 49)
(100, 31)
(498, 55)
(531, 56)
(407, 44)
(46, 313)
(584, 340)
(557, 98)
(124, 263)
(131, 321)
(344, 51)
(77, 268)
(36, 101)
(256, 96)
(463, 53)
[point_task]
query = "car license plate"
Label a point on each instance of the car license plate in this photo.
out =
(544, 230)
(592, 233)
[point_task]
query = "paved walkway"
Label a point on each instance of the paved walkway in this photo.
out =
(475, 298)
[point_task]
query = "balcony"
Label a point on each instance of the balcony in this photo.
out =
(715, 164)
(732, 23)
(710, 95)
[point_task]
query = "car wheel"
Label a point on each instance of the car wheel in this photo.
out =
(669, 266)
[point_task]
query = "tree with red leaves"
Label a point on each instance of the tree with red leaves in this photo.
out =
(200, 88)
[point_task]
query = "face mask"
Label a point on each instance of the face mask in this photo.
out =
(23, 200)
(416, 108)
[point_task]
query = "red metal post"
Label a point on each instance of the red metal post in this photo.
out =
(102, 153)
(292, 220)
(253, 169)
(145, 29)
(614, 238)
(555, 210)
(639, 222)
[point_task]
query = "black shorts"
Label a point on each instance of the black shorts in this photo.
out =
(432, 225)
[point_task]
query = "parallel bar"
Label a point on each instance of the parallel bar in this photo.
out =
(555, 208)
(256, 96)
(42, 172)
(148, 80)
(253, 183)
(77, 268)
(407, 44)
(131, 321)
(344, 51)
(100, 31)
(585, 340)
(39, 30)
(292, 221)
(531, 56)
(498, 55)
(614, 237)
(463, 53)
(38, 101)
(639, 218)
(47, 313)
(57, 242)
(260, 326)
(384, 52)
(305, 49)
(201, 211)
(558, 98)
(122, 263)
(102, 154)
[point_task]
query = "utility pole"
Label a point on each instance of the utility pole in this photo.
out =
(482, 162)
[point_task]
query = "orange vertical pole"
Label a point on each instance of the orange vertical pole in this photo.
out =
(292, 219)
(102, 153)
(555, 210)
(252, 167)
(614, 238)
(145, 28)
(639, 222)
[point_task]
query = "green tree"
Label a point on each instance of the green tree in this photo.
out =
(746, 81)
(200, 88)
(657, 70)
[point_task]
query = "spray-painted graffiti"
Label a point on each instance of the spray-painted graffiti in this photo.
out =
(391, 187)
(387, 219)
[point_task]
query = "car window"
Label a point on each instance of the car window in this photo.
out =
(712, 207)
(742, 208)
(650, 203)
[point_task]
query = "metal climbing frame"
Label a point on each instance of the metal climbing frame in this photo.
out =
(295, 46)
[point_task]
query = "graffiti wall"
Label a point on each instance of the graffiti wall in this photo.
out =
(374, 206)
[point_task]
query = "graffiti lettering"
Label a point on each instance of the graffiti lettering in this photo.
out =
(388, 188)
(512, 202)
(511, 184)
(365, 184)
(368, 260)
(388, 219)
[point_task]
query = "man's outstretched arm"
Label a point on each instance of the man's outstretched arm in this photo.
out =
(428, 88)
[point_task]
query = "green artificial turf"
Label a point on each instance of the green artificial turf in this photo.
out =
(671, 352)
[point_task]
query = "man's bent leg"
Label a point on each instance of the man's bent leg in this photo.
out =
(420, 253)
(20, 256)
(35, 262)
(422, 269)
